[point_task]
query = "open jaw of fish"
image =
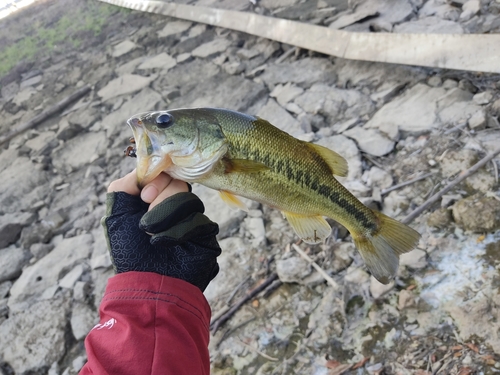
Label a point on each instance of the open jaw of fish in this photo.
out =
(156, 155)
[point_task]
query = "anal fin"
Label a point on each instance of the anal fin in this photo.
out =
(311, 229)
(232, 200)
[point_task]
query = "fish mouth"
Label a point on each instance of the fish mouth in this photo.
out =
(150, 160)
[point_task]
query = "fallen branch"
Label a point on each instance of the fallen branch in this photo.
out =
(258, 351)
(44, 115)
(320, 270)
(406, 183)
(415, 213)
(215, 325)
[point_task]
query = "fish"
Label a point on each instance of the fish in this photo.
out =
(241, 155)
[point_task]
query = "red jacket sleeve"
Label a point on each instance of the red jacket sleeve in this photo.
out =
(150, 324)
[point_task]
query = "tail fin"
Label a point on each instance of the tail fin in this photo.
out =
(381, 250)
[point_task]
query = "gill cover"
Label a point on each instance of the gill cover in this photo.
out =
(185, 143)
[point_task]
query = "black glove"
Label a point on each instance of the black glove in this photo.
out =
(181, 242)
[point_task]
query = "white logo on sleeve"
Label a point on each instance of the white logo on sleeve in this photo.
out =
(109, 324)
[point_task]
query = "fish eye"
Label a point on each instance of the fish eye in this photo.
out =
(164, 120)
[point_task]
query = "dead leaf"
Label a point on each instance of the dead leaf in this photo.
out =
(361, 363)
(422, 372)
(456, 347)
(481, 238)
(255, 303)
(332, 364)
(465, 371)
(340, 369)
(472, 347)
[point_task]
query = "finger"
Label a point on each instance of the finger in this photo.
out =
(128, 184)
(176, 186)
(155, 187)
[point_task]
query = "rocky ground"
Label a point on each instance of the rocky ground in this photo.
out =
(392, 123)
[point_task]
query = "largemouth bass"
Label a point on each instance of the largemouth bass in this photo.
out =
(242, 155)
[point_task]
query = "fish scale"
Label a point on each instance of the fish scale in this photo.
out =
(242, 155)
(286, 157)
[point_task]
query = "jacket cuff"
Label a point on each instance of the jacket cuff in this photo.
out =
(135, 285)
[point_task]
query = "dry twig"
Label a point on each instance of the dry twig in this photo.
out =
(415, 213)
(258, 351)
(321, 271)
(406, 183)
(215, 325)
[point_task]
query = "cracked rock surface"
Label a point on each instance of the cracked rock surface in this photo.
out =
(392, 123)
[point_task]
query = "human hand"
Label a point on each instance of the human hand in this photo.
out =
(160, 229)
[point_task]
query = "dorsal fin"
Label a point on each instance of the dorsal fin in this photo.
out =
(337, 164)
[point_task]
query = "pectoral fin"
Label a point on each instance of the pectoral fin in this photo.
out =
(232, 200)
(337, 164)
(243, 166)
(312, 229)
